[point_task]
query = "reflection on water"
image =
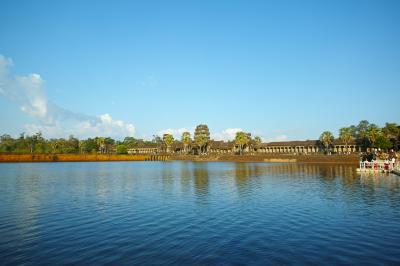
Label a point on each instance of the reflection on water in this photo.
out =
(197, 213)
(201, 182)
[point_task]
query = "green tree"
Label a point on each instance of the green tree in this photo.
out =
(41, 143)
(257, 140)
(373, 132)
(362, 128)
(91, 145)
(346, 136)
(383, 142)
(168, 140)
(7, 143)
(241, 140)
(186, 141)
(21, 144)
(34, 141)
(202, 137)
(71, 145)
(121, 149)
(326, 139)
(54, 145)
(82, 146)
(361, 133)
(392, 132)
(130, 142)
(100, 141)
(109, 144)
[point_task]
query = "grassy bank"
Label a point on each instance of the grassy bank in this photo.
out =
(15, 158)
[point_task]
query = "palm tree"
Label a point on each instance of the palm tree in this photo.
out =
(326, 139)
(373, 132)
(101, 143)
(186, 141)
(345, 135)
(82, 145)
(241, 139)
(54, 143)
(168, 140)
(257, 142)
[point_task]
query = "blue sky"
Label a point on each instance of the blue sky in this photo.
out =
(279, 69)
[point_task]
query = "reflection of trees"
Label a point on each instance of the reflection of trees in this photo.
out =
(245, 174)
(186, 175)
(328, 172)
(201, 180)
(167, 176)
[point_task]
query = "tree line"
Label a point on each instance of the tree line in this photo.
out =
(36, 143)
(365, 135)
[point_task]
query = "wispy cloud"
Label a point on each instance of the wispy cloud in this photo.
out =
(54, 121)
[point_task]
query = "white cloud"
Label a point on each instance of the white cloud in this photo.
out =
(106, 126)
(27, 91)
(54, 121)
(176, 132)
(227, 134)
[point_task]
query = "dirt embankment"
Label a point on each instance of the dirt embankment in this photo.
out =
(15, 158)
(350, 159)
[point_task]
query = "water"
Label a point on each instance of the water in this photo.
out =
(196, 214)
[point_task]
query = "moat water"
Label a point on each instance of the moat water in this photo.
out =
(186, 213)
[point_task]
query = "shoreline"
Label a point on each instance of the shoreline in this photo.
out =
(276, 158)
(31, 158)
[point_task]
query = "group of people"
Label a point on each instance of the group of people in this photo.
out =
(372, 155)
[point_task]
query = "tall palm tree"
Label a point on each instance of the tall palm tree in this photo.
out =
(373, 132)
(345, 135)
(101, 143)
(257, 141)
(186, 141)
(54, 143)
(168, 140)
(241, 139)
(81, 146)
(326, 139)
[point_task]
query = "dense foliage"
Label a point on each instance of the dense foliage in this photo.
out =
(37, 144)
(364, 134)
(367, 135)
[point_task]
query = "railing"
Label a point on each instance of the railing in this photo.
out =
(379, 165)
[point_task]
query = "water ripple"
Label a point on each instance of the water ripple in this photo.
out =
(184, 213)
